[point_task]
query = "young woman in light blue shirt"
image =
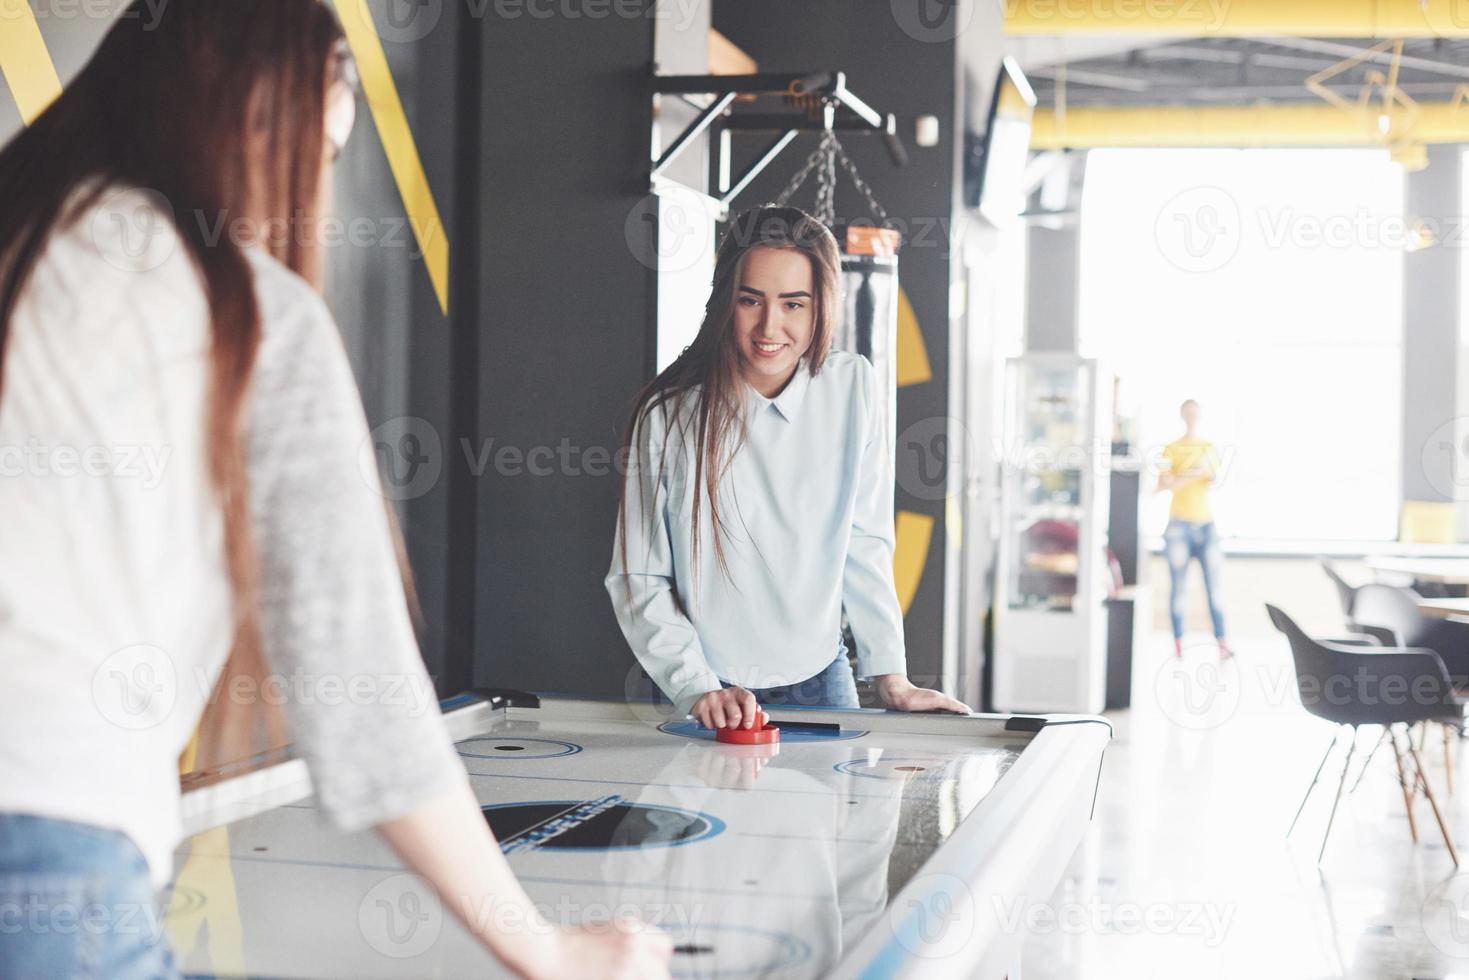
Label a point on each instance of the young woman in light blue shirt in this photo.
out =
(758, 503)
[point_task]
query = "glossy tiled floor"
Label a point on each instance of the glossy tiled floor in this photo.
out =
(1187, 871)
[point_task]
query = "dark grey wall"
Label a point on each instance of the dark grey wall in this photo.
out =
(566, 333)
(909, 75)
(402, 345)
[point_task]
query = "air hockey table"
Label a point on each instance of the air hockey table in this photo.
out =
(889, 845)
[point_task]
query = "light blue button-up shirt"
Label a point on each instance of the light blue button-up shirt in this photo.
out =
(806, 511)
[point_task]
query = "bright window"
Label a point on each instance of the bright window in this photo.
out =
(1267, 285)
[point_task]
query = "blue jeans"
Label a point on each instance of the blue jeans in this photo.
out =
(833, 687)
(1182, 541)
(76, 901)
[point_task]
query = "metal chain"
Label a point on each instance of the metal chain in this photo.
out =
(784, 196)
(826, 180)
(825, 157)
(877, 210)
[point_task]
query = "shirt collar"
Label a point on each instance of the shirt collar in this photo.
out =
(788, 402)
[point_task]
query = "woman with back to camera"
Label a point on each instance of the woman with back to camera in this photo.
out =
(257, 544)
(758, 502)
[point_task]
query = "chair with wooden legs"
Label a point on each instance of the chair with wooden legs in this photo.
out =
(1390, 615)
(1391, 687)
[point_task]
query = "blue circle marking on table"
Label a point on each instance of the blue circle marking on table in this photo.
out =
(692, 729)
(522, 749)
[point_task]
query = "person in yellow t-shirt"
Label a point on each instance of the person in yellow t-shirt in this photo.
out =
(1192, 464)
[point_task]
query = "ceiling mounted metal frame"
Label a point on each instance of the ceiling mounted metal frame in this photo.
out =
(824, 92)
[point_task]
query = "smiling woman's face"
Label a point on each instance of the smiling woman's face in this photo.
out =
(775, 316)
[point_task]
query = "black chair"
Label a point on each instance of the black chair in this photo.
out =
(1388, 686)
(1345, 591)
(1390, 614)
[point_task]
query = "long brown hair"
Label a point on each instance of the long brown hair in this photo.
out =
(710, 370)
(217, 108)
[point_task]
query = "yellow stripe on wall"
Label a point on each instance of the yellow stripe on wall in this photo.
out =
(397, 138)
(24, 60)
(914, 531)
(913, 366)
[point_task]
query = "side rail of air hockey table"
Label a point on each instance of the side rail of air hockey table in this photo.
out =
(903, 845)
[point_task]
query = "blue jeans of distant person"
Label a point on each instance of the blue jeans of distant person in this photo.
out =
(76, 901)
(1182, 542)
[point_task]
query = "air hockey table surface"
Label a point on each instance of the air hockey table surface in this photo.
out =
(898, 845)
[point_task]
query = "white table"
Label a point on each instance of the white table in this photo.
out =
(901, 845)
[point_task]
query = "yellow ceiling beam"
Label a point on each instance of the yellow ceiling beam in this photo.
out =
(1279, 124)
(1241, 18)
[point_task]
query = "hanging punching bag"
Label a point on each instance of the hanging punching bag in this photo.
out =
(870, 316)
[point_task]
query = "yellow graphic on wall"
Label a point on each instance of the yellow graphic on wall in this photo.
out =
(397, 139)
(914, 531)
(24, 60)
(33, 82)
(913, 366)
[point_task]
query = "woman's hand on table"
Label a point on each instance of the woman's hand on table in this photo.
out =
(624, 950)
(901, 694)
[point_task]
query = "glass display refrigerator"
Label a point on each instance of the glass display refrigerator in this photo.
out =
(1050, 582)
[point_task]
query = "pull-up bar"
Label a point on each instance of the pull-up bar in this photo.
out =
(840, 108)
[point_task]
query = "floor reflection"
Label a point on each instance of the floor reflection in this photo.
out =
(1187, 871)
